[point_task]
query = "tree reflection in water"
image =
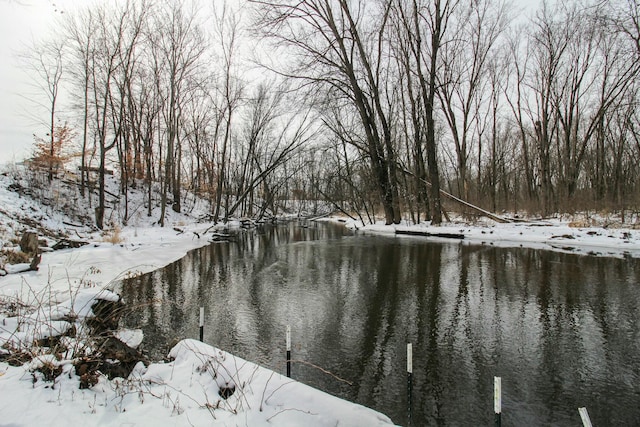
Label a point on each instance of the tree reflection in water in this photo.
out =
(560, 329)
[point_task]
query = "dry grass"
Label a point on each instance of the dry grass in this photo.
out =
(8, 256)
(113, 236)
(582, 223)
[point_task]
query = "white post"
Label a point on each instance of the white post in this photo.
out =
(409, 383)
(202, 324)
(584, 415)
(289, 351)
(497, 400)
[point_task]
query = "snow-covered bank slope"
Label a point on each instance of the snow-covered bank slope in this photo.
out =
(59, 212)
(183, 392)
(99, 263)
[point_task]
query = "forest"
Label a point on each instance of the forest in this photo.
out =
(394, 109)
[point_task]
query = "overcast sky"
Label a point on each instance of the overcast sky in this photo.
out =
(22, 21)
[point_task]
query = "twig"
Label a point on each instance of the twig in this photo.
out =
(276, 389)
(323, 370)
(289, 409)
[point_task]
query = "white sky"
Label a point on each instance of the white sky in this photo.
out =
(22, 21)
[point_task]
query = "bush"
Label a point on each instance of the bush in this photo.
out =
(8, 256)
(113, 236)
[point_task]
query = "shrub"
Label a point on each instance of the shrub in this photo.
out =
(8, 256)
(113, 236)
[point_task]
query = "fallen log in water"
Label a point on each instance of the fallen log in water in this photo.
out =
(427, 234)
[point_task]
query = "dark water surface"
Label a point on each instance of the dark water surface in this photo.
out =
(562, 330)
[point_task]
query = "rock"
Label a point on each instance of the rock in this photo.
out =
(87, 370)
(52, 340)
(22, 267)
(131, 337)
(29, 243)
(227, 390)
(43, 246)
(113, 359)
(111, 355)
(118, 359)
(107, 315)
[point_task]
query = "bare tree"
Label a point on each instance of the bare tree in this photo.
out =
(340, 48)
(109, 41)
(79, 30)
(178, 44)
(405, 50)
(462, 83)
(45, 60)
(116, 34)
(515, 94)
(227, 31)
(273, 136)
(436, 19)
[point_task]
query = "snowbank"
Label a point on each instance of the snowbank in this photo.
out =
(184, 392)
(550, 235)
(98, 264)
(188, 391)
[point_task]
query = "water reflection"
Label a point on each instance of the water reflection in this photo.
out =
(561, 330)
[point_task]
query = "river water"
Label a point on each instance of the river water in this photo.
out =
(561, 330)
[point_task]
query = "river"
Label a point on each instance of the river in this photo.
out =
(561, 330)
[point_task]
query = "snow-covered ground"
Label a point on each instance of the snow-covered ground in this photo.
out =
(551, 234)
(186, 390)
(183, 392)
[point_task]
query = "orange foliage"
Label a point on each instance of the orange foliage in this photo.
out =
(51, 155)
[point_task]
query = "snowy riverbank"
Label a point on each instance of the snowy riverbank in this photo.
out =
(552, 234)
(41, 386)
(187, 390)
(184, 391)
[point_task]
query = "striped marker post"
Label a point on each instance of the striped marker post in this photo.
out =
(409, 383)
(497, 400)
(288, 351)
(584, 415)
(201, 324)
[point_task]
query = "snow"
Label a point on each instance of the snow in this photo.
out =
(550, 234)
(186, 390)
(131, 337)
(17, 268)
(182, 392)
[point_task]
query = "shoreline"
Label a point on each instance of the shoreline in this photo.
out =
(73, 275)
(548, 235)
(72, 279)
